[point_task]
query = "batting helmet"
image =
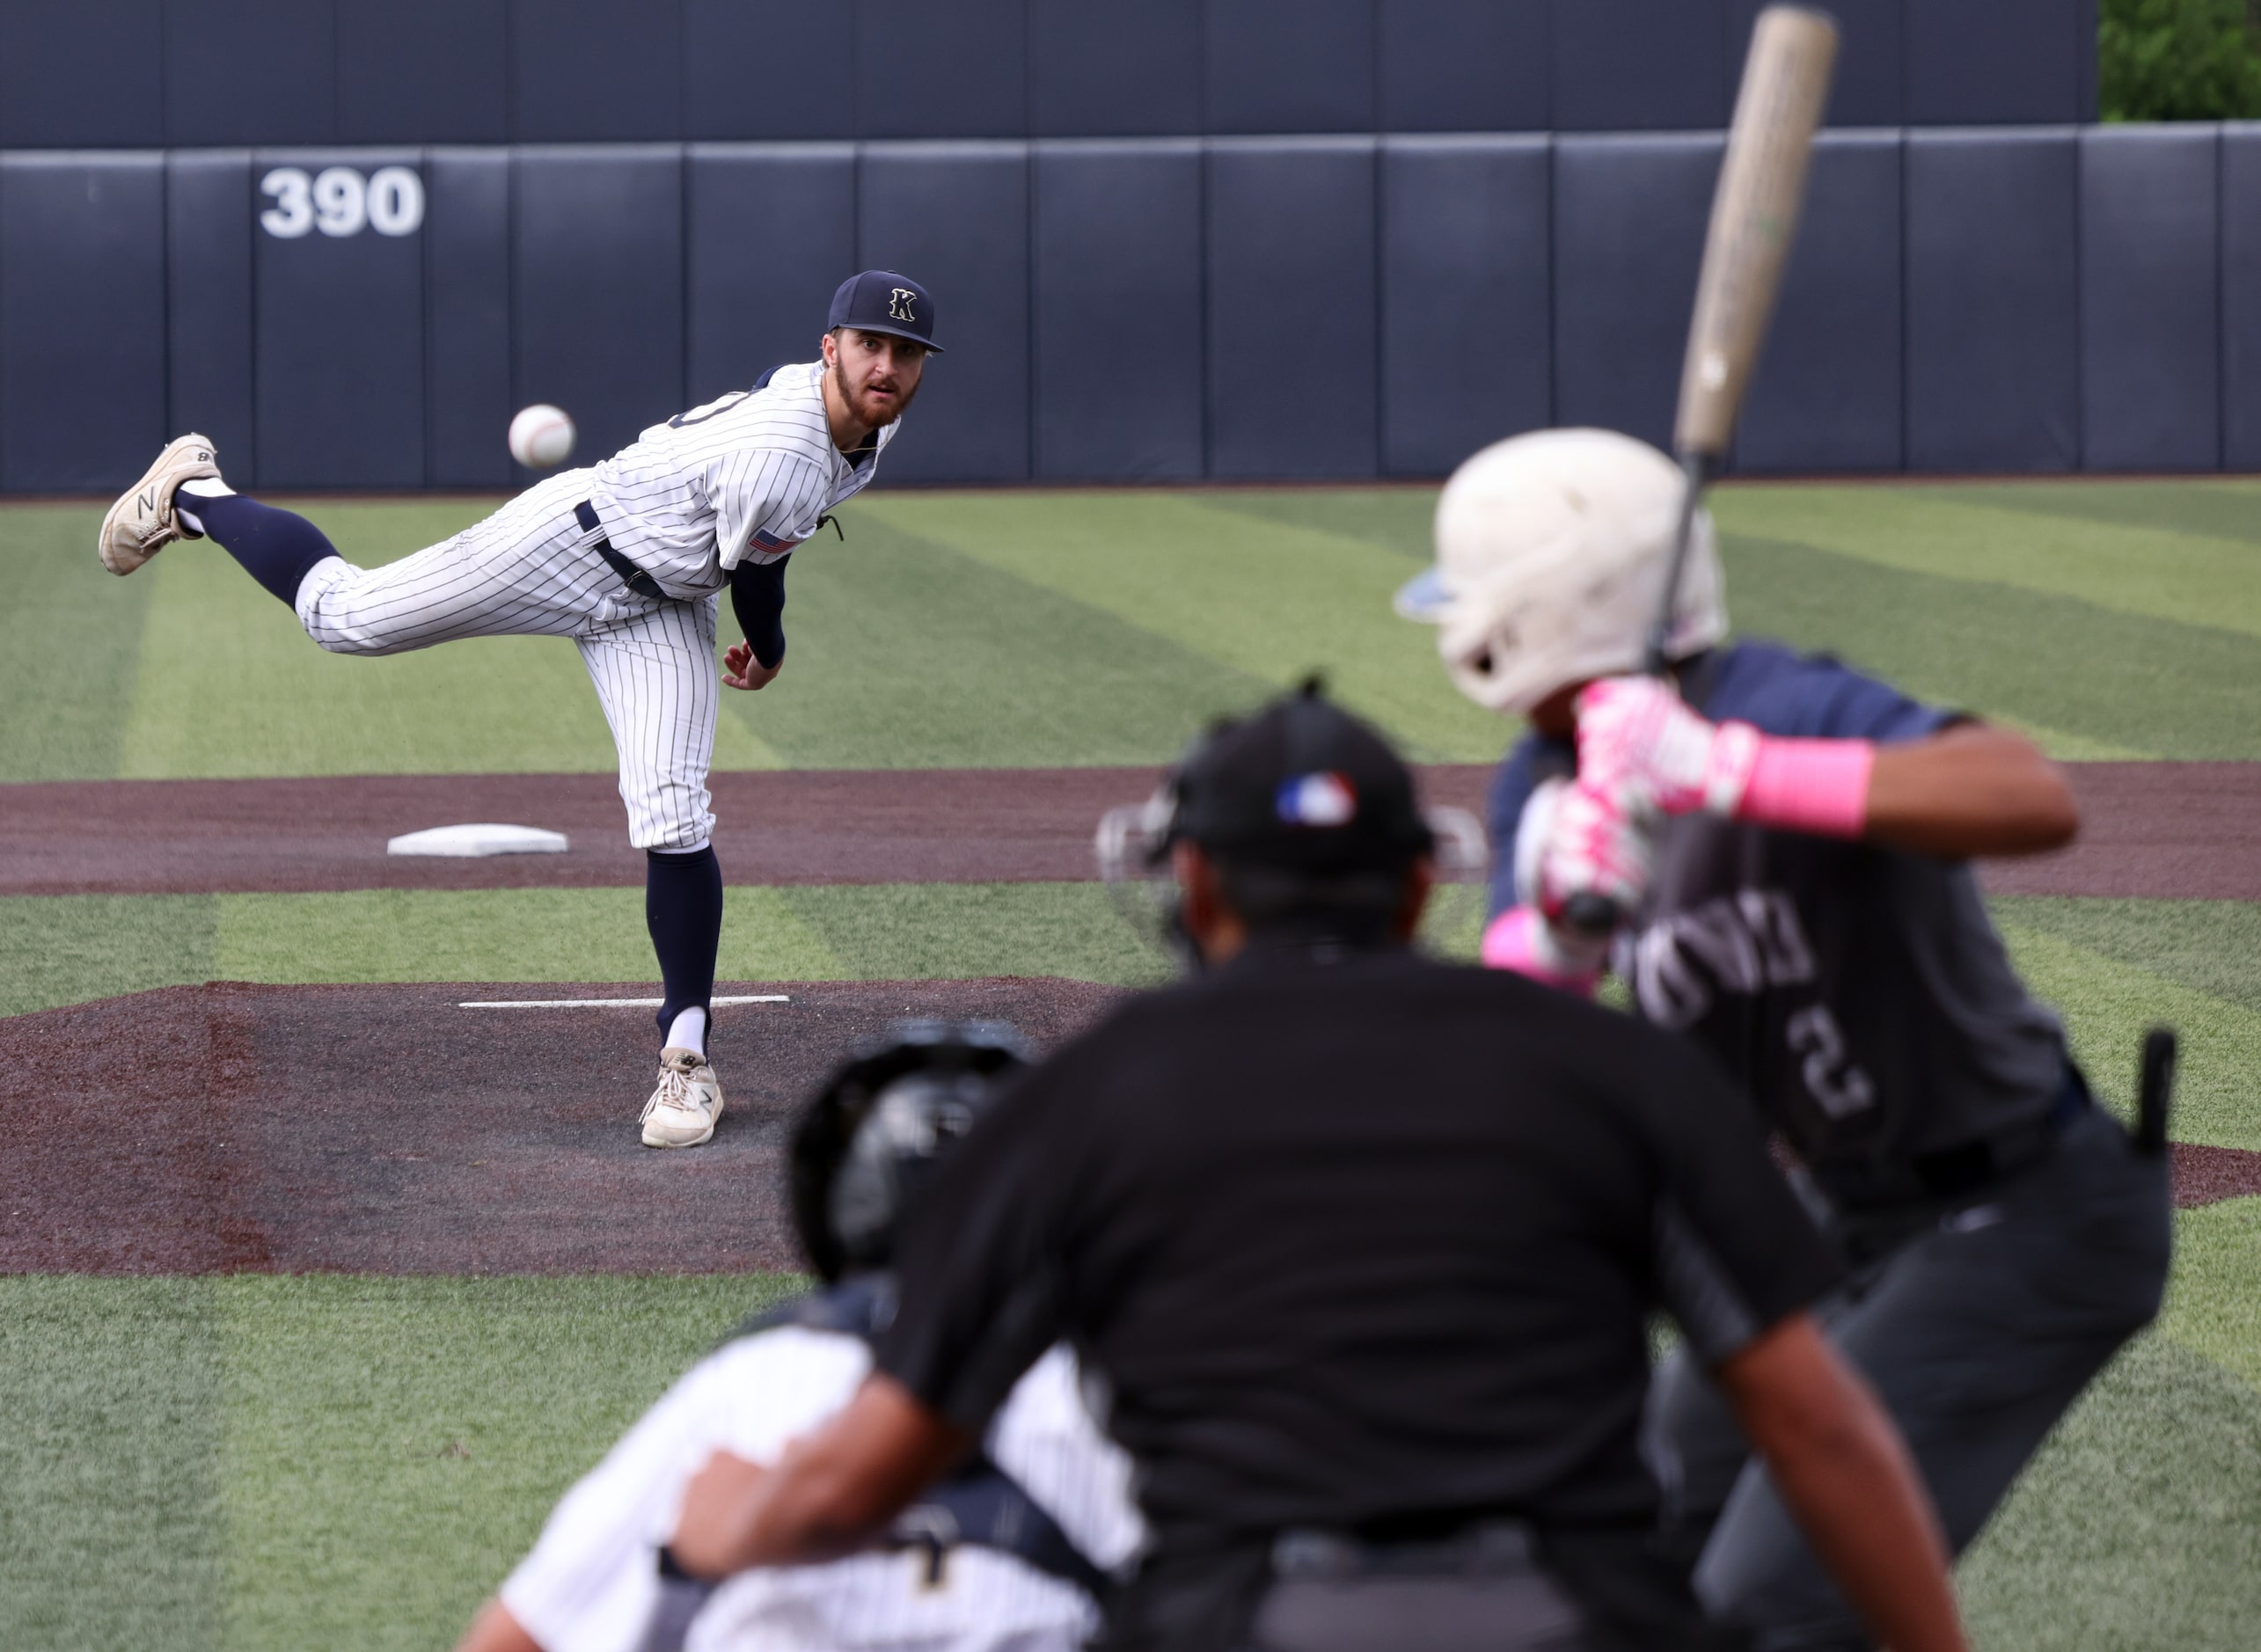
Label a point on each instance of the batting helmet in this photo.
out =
(1551, 556)
(878, 1123)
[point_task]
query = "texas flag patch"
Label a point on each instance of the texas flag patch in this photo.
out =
(1324, 799)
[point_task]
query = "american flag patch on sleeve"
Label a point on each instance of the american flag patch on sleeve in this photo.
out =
(764, 540)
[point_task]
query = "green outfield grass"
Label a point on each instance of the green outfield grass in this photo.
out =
(278, 1463)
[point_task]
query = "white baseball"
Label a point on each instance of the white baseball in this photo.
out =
(541, 436)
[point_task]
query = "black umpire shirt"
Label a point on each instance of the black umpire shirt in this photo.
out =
(1354, 1237)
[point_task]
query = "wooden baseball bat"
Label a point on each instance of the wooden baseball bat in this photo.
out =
(1753, 218)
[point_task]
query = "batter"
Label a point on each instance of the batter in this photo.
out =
(628, 558)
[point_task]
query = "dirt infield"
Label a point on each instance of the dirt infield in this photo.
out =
(2154, 831)
(232, 1129)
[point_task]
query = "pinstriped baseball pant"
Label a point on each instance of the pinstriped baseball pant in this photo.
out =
(530, 570)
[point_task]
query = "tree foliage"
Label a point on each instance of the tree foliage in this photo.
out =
(2178, 60)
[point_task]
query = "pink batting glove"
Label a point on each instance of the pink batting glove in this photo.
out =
(1522, 940)
(1637, 740)
(1594, 846)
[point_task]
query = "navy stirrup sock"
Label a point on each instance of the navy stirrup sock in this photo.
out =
(276, 548)
(683, 908)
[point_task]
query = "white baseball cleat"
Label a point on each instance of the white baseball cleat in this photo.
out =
(142, 522)
(682, 1110)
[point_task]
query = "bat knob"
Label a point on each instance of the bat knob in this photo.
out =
(1591, 915)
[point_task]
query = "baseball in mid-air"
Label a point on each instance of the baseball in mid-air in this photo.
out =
(541, 436)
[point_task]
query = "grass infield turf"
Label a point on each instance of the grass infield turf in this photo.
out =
(352, 1461)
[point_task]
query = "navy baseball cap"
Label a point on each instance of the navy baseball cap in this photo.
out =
(882, 300)
(1301, 785)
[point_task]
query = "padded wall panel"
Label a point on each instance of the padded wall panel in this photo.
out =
(1108, 71)
(596, 279)
(1826, 394)
(467, 401)
(1463, 65)
(337, 341)
(1869, 85)
(1640, 65)
(2150, 339)
(1290, 65)
(751, 309)
(943, 72)
(1293, 313)
(1629, 216)
(768, 68)
(207, 265)
(2000, 62)
(81, 75)
(2241, 296)
(1466, 352)
(250, 71)
(596, 70)
(81, 321)
(1117, 295)
(1993, 301)
(423, 71)
(955, 217)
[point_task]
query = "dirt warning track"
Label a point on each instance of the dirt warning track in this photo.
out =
(230, 1128)
(2152, 830)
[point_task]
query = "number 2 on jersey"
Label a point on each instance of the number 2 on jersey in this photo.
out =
(1841, 1088)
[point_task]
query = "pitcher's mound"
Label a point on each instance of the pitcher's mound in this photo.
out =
(386, 1130)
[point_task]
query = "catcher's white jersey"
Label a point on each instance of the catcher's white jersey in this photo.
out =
(744, 478)
(590, 1584)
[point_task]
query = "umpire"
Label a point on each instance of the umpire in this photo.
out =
(1363, 1246)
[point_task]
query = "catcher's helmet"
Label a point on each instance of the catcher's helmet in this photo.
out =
(1552, 549)
(888, 1111)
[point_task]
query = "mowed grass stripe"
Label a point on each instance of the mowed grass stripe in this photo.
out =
(2090, 681)
(1264, 598)
(2108, 1003)
(2214, 507)
(70, 949)
(279, 1463)
(904, 651)
(70, 643)
(2194, 579)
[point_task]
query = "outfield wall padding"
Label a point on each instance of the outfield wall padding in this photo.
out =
(1465, 295)
(1292, 324)
(1825, 394)
(1116, 283)
(1987, 299)
(354, 391)
(954, 217)
(81, 316)
(468, 393)
(1992, 254)
(597, 273)
(2150, 325)
(208, 299)
(748, 309)
(1629, 217)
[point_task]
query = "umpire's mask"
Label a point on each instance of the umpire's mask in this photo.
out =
(1308, 812)
(878, 1126)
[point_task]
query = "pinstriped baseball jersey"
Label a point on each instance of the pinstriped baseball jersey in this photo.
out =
(744, 478)
(590, 1583)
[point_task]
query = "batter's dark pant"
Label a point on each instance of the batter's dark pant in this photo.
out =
(1979, 1328)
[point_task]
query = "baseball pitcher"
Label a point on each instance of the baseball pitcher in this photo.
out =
(629, 558)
